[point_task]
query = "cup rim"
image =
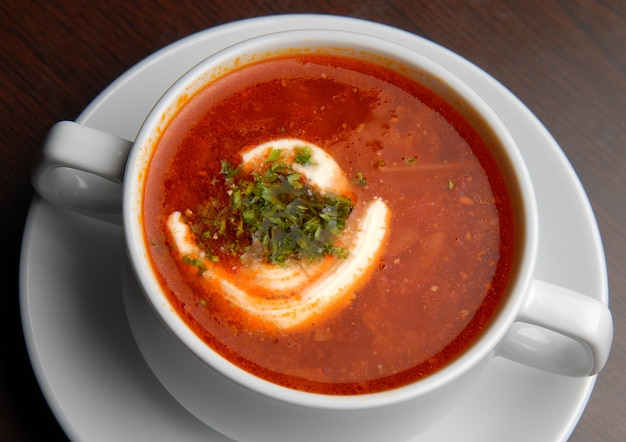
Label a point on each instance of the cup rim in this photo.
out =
(256, 48)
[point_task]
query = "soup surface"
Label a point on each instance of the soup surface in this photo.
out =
(411, 243)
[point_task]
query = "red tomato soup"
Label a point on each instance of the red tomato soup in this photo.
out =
(438, 272)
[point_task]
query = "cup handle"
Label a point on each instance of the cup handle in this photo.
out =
(561, 331)
(81, 169)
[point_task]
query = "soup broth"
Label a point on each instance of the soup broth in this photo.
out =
(435, 271)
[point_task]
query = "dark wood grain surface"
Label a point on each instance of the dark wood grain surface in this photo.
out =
(565, 59)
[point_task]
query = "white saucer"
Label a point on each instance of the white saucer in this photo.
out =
(92, 373)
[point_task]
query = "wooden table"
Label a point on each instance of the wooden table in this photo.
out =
(564, 59)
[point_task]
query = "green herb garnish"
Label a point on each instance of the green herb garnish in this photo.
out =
(272, 213)
(273, 156)
(303, 155)
(195, 262)
(360, 179)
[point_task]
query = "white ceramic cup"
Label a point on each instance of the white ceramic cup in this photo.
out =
(539, 324)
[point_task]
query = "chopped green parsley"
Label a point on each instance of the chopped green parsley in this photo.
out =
(360, 179)
(273, 213)
(303, 156)
(195, 262)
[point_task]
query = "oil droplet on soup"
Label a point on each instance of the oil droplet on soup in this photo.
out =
(328, 224)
